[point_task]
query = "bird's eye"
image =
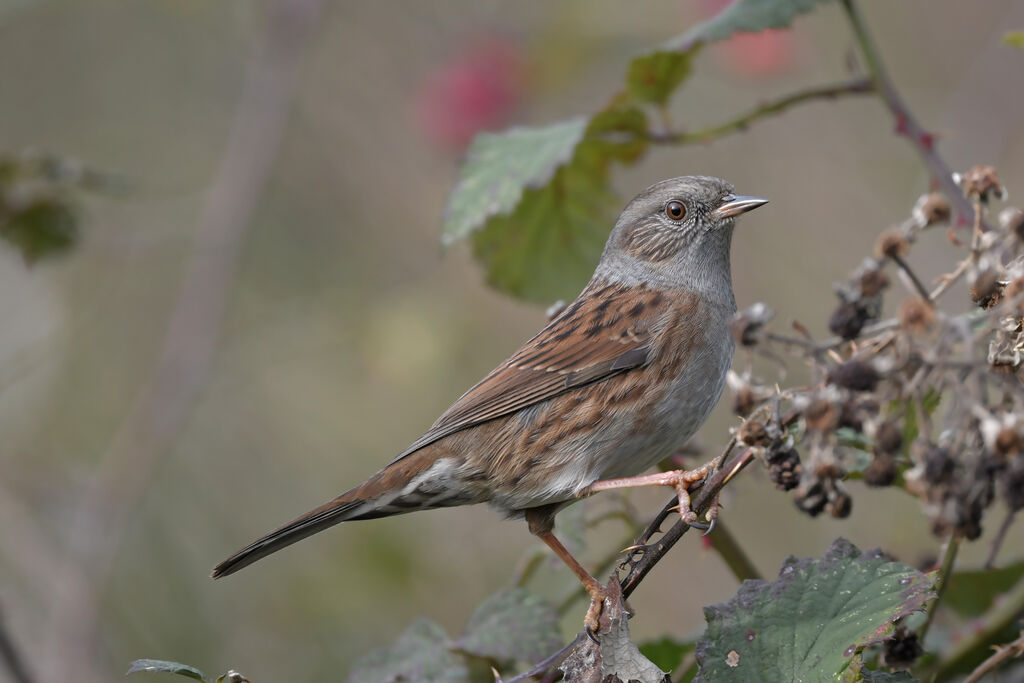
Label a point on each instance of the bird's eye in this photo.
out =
(675, 210)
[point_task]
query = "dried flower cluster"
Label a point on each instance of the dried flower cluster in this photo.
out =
(929, 400)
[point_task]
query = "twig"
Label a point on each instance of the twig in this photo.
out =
(906, 123)
(106, 506)
(11, 656)
(997, 542)
(981, 632)
(860, 86)
(922, 291)
(945, 571)
(1002, 653)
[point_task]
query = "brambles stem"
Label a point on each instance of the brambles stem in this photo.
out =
(983, 630)
(945, 570)
(859, 86)
(906, 124)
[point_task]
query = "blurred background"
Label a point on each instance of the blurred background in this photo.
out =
(260, 314)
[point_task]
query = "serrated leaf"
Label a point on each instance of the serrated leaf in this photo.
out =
(163, 666)
(1014, 39)
(512, 625)
(749, 16)
(421, 653)
(499, 167)
(667, 653)
(971, 593)
(869, 676)
(549, 244)
(808, 624)
(654, 76)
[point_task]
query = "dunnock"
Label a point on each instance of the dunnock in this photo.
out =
(622, 376)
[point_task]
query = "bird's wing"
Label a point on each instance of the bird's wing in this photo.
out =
(607, 330)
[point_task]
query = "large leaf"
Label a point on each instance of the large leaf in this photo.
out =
(808, 624)
(163, 666)
(419, 654)
(512, 625)
(539, 228)
(971, 593)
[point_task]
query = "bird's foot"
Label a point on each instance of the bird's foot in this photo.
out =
(592, 620)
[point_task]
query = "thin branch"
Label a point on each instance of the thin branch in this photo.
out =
(906, 123)
(997, 542)
(860, 86)
(981, 632)
(945, 571)
(1002, 653)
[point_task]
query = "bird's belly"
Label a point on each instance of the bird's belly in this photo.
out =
(616, 428)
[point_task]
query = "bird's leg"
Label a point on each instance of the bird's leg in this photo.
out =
(541, 522)
(680, 480)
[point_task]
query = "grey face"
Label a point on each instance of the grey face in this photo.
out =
(675, 215)
(677, 233)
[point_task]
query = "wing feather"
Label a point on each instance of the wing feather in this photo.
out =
(609, 329)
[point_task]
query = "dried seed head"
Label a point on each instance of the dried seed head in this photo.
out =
(857, 375)
(1009, 442)
(752, 433)
(981, 182)
(917, 315)
(810, 496)
(840, 505)
(891, 244)
(746, 324)
(1012, 221)
(902, 649)
(848, 320)
(828, 468)
(986, 289)
(931, 208)
(888, 438)
(937, 463)
(881, 471)
(743, 401)
(872, 282)
(784, 469)
(821, 416)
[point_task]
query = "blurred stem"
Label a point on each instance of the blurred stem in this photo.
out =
(906, 124)
(982, 632)
(11, 656)
(860, 86)
(945, 570)
(1002, 654)
(733, 554)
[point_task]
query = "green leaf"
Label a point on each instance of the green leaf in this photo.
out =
(45, 227)
(419, 654)
(539, 228)
(971, 593)
(654, 76)
(809, 623)
(512, 625)
(667, 653)
(162, 666)
(749, 16)
(1014, 39)
(869, 676)
(501, 166)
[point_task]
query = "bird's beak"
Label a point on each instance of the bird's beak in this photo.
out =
(735, 204)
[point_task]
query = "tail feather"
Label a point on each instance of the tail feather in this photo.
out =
(376, 497)
(327, 515)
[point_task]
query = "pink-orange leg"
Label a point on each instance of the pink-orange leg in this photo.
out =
(680, 480)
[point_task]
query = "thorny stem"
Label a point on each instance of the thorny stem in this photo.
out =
(1002, 653)
(982, 632)
(859, 86)
(945, 571)
(906, 124)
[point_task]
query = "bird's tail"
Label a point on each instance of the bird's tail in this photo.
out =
(384, 494)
